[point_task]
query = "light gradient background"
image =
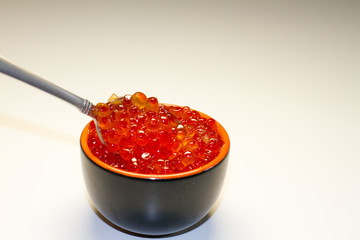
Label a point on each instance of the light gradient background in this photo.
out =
(281, 76)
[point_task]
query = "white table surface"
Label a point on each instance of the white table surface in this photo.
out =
(283, 77)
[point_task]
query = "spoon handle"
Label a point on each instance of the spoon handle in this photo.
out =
(14, 71)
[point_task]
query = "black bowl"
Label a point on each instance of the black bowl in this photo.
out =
(153, 204)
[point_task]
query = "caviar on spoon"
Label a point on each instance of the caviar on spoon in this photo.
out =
(136, 133)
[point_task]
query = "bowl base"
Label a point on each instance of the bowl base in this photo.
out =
(188, 229)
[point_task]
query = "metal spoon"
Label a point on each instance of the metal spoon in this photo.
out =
(14, 71)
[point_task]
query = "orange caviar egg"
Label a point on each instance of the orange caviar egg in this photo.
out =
(139, 99)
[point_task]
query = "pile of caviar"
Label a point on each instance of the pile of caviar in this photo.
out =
(146, 137)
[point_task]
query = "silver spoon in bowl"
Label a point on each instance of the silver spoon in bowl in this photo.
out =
(84, 105)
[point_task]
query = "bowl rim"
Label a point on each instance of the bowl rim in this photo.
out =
(223, 153)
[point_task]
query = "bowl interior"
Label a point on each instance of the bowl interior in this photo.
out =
(223, 152)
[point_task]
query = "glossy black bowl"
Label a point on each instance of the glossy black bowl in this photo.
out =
(153, 204)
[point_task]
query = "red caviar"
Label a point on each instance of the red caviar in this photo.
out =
(146, 137)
